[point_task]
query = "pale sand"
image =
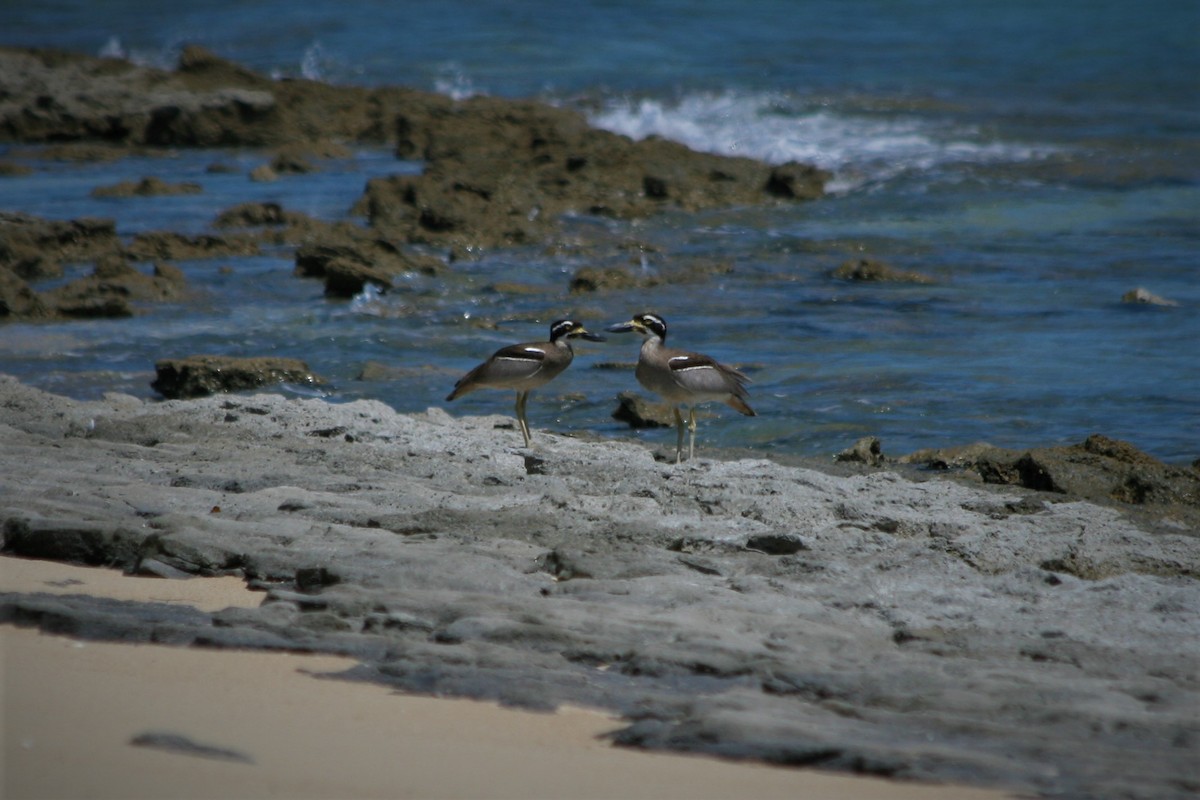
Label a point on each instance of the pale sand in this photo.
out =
(71, 708)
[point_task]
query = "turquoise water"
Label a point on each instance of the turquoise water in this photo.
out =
(1037, 160)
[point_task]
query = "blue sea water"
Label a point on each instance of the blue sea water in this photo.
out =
(1038, 160)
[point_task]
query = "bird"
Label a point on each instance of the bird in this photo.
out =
(683, 378)
(524, 367)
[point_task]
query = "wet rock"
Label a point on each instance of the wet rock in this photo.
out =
(497, 172)
(171, 246)
(637, 412)
(348, 262)
(9, 169)
(502, 173)
(254, 215)
(33, 248)
(147, 187)
(196, 376)
(1099, 469)
(1142, 296)
(867, 450)
(18, 301)
(796, 181)
(597, 279)
(868, 269)
(206, 102)
(264, 173)
(113, 287)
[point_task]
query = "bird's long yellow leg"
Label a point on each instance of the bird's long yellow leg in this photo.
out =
(521, 398)
(692, 430)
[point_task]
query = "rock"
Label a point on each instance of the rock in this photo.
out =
(796, 181)
(866, 450)
(868, 269)
(498, 172)
(17, 300)
(740, 608)
(264, 173)
(348, 262)
(253, 215)
(1100, 469)
(196, 376)
(1141, 296)
(596, 279)
(8, 169)
(501, 173)
(637, 412)
(34, 248)
(171, 246)
(147, 187)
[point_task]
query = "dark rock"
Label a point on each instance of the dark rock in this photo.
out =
(1099, 469)
(171, 246)
(197, 376)
(18, 301)
(347, 262)
(253, 215)
(795, 181)
(112, 289)
(74, 541)
(596, 279)
(637, 412)
(868, 269)
(776, 544)
(312, 579)
(34, 248)
(147, 187)
(10, 170)
(502, 173)
(866, 450)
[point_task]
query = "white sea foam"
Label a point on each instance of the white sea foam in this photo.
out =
(860, 148)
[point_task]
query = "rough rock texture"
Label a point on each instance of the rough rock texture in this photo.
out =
(54, 96)
(739, 608)
(33, 248)
(196, 376)
(147, 187)
(1099, 469)
(501, 173)
(871, 270)
(497, 172)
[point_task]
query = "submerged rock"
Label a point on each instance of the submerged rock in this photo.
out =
(197, 376)
(33, 248)
(147, 187)
(868, 269)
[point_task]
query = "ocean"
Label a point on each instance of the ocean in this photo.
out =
(1036, 160)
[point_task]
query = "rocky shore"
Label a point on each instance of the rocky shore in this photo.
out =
(1024, 619)
(863, 622)
(496, 173)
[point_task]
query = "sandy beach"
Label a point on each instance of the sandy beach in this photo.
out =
(72, 709)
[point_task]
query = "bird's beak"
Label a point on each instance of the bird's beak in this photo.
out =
(621, 327)
(591, 337)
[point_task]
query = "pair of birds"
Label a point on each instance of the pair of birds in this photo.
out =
(679, 377)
